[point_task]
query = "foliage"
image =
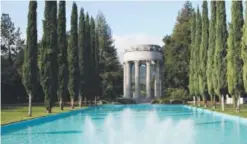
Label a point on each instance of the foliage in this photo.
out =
(54, 47)
(11, 42)
(73, 84)
(176, 93)
(46, 67)
(203, 52)
(234, 62)
(220, 49)
(211, 49)
(197, 50)
(87, 60)
(192, 56)
(12, 56)
(30, 67)
(244, 50)
(125, 101)
(11, 79)
(81, 51)
(62, 53)
(177, 50)
(109, 67)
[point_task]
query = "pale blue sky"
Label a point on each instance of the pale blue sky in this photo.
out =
(131, 22)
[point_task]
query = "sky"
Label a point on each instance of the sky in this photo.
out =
(131, 22)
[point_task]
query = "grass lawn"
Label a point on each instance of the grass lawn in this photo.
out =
(10, 114)
(230, 110)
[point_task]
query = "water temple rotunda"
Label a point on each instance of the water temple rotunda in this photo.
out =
(152, 57)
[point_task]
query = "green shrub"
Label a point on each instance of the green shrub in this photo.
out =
(176, 102)
(155, 101)
(176, 94)
(125, 101)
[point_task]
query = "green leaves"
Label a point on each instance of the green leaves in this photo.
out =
(73, 55)
(234, 63)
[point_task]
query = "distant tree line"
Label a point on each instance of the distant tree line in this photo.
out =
(79, 64)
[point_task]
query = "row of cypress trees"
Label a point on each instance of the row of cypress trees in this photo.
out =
(218, 54)
(67, 62)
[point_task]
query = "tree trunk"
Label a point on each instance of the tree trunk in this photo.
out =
(61, 103)
(194, 100)
(85, 101)
(95, 100)
(238, 105)
(30, 105)
(79, 100)
(199, 101)
(72, 103)
(204, 101)
(214, 102)
(222, 103)
(48, 109)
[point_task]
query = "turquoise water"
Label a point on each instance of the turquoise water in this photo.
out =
(133, 124)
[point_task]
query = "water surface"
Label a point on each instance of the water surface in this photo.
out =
(133, 124)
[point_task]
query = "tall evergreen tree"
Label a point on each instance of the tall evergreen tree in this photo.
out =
(203, 53)
(47, 56)
(54, 46)
(92, 56)
(234, 61)
(73, 57)
(109, 68)
(192, 56)
(87, 56)
(97, 77)
(81, 47)
(220, 50)
(211, 50)
(62, 56)
(177, 50)
(244, 50)
(30, 67)
(197, 50)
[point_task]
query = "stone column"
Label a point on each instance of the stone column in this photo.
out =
(148, 79)
(157, 80)
(128, 80)
(137, 79)
(161, 78)
(124, 79)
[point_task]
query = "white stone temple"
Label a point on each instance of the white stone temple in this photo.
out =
(152, 57)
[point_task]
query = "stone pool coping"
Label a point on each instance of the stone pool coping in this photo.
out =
(219, 114)
(7, 128)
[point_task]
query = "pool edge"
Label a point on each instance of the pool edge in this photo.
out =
(23, 123)
(224, 115)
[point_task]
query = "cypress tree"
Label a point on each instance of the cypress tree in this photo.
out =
(244, 50)
(220, 50)
(87, 56)
(203, 53)
(73, 57)
(81, 47)
(92, 58)
(197, 50)
(54, 47)
(234, 62)
(62, 56)
(47, 56)
(97, 77)
(211, 50)
(30, 66)
(192, 55)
